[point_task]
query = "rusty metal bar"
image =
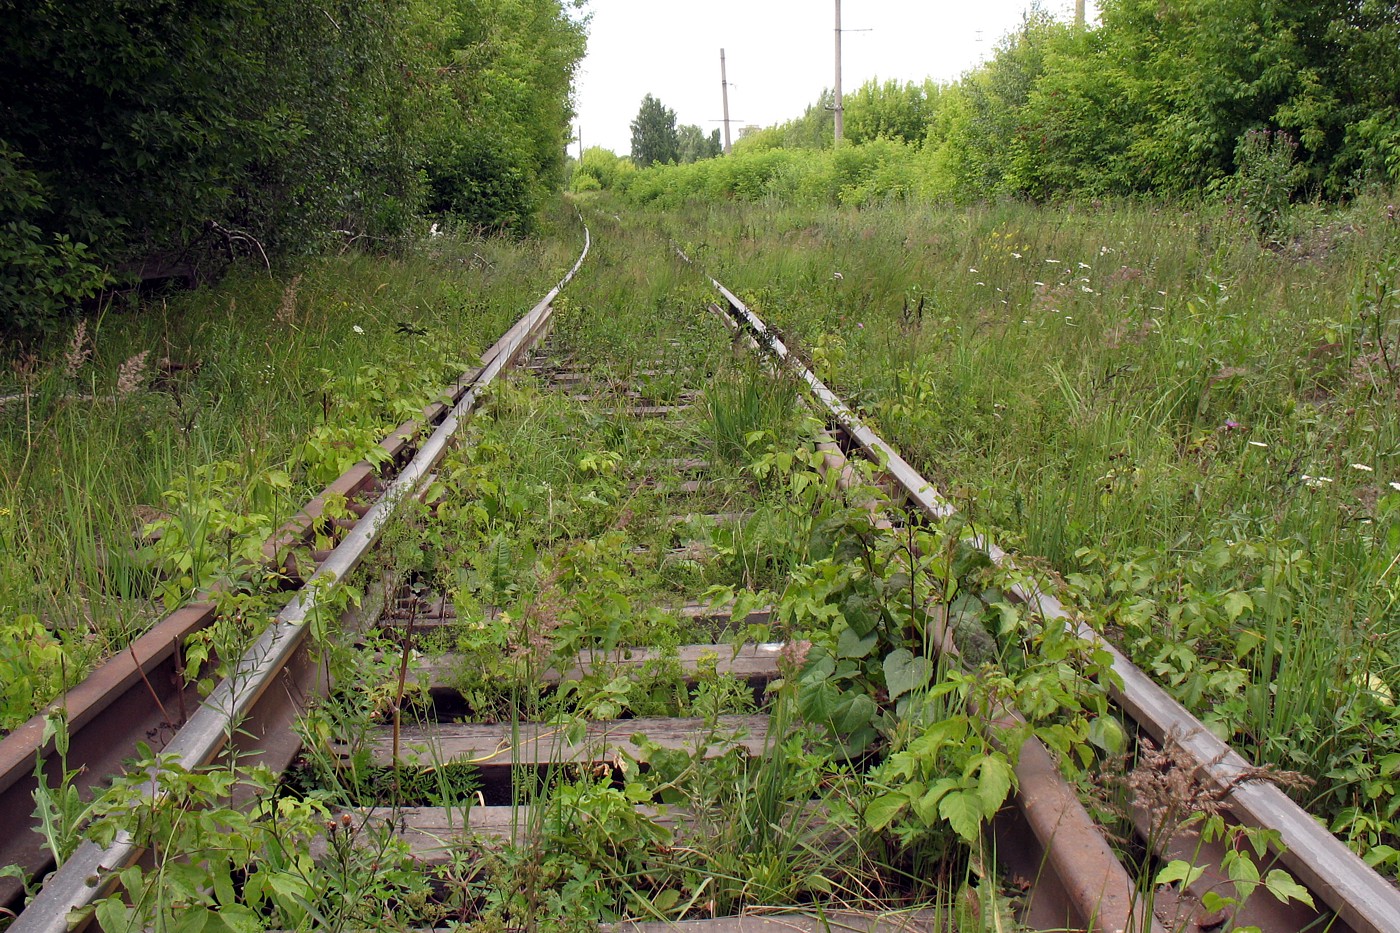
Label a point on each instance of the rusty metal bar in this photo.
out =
(88, 875)
(133, 694)
(1317, 858)
(1093, 886)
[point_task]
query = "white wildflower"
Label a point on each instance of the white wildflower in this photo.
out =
(358, 329)
(1362, 467)
(837, 276)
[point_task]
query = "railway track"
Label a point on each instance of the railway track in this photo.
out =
(614, 670)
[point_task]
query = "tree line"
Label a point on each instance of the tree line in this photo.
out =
(143, 133)
(1162, 97)
(1255, 100)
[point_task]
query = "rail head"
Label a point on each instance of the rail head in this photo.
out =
(87, 876)
(1338, 876)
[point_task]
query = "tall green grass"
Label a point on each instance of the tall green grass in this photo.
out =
(1198, 432)
(241, 383)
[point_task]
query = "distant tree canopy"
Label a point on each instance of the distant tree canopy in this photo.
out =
(692, 144)
(131, 129)
(654, 137)
(1161, 98)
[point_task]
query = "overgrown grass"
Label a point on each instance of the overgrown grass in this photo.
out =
(210, 416)
(1198, 432)
(558, 534)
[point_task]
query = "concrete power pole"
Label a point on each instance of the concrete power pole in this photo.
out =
(837, 109)
(724, 85)
(1079, 13)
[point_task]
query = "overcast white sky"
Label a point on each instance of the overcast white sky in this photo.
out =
(779, 54)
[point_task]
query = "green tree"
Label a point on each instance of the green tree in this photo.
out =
(891, 110)
(149, 119)
(501, 93)
(816, 128)
(692, 144)
(600, 168)
(654, 137)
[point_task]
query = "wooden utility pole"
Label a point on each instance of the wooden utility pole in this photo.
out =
(724, 85)
(840, 122)
(1079, 13)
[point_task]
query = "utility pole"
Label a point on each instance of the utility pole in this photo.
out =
(837, 109)
(724, 86)
(1079, 13)
(580, 142)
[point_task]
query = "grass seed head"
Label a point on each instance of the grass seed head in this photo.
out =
(132, 373)
(79, 350)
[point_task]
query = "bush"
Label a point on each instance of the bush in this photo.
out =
(41, 276)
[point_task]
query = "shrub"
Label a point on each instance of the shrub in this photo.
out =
(41, 275)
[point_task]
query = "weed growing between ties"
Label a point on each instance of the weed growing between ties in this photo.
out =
(149, 452)
(556, 537)
(1197, 432)
(553, 537)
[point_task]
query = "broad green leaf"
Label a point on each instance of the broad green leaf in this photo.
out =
(904, 672)
(1179, 870)
(994, 779)
(850, 644)
(852, 711)
(1236, 603)
(963, 811)
(114, 916)
(1246, 641)
(927, 806)
(1242, 870)
(860, 614)
(1106, 735)
(816, 701)
(240, 919)
(195, 919)
(881, 811)
(1282, 886)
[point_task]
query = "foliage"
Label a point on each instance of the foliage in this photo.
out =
(217, 866)
(154, 138)
(33, 663)
(236, 121)
(598, 169)
(654, 136)
(1163, 410)
(502, 108)
(692, 144)
(40, 277)
(236, 423)
(1265, 177)
(891, 110)
(1159, 98)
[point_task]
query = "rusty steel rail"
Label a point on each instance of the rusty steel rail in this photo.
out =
(1356, 893)
(140, 693)
(253, 708)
